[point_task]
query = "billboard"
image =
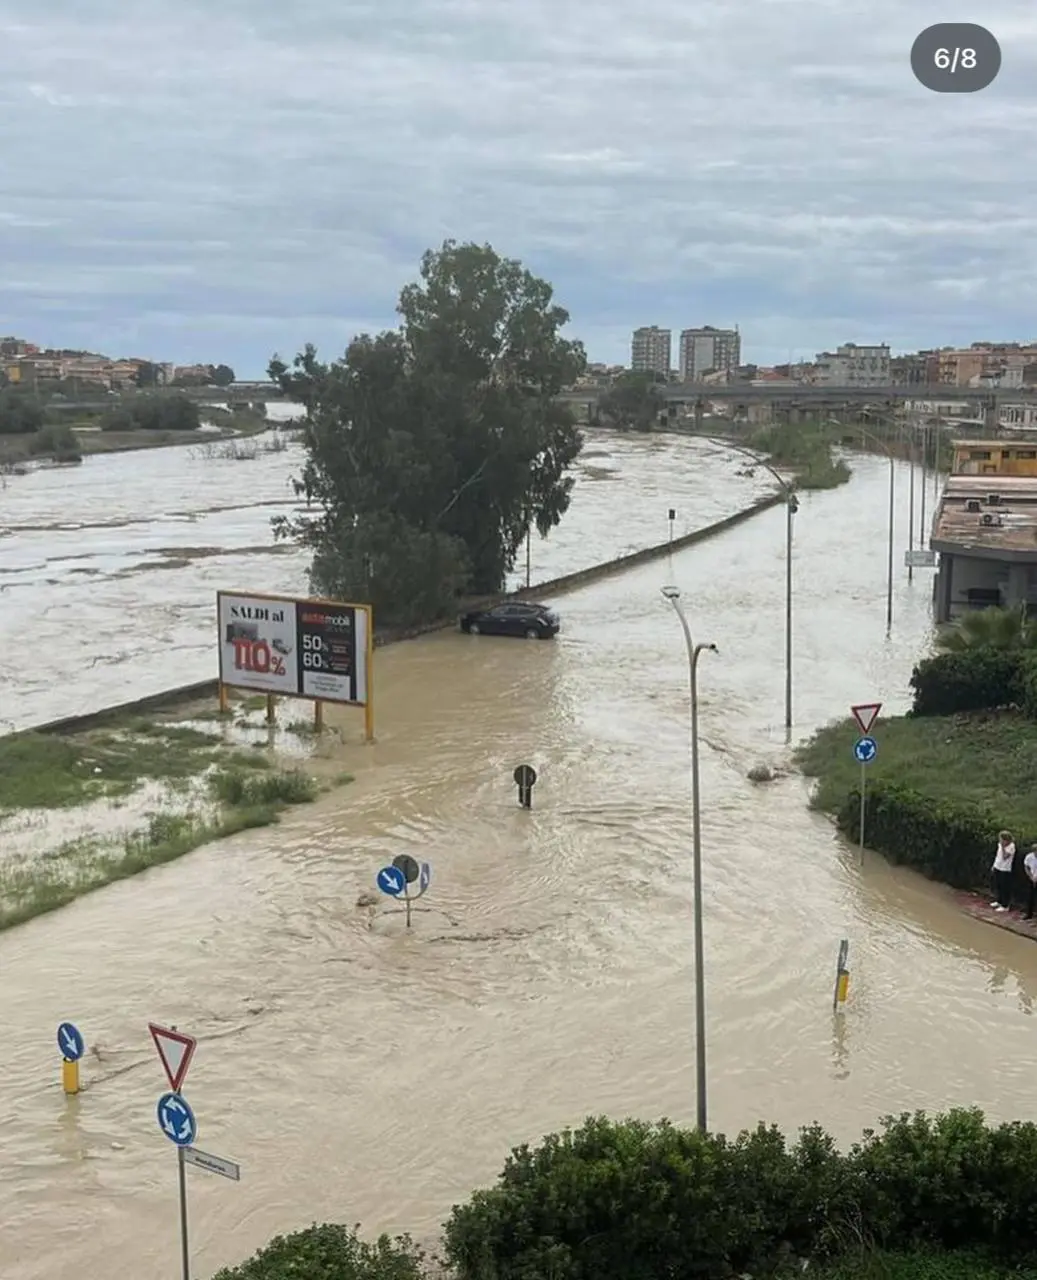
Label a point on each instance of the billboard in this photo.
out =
(319, 649)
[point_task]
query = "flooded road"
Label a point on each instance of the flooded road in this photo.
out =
(359, 1073)
(110, 570)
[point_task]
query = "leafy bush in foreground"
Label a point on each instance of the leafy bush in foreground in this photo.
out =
(330, 1252)
(634, 1201)
(923, 1264)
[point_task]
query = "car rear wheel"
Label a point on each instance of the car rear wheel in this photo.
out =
(532, 634)
(473, 628)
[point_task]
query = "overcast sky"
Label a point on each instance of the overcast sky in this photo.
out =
(219, 181)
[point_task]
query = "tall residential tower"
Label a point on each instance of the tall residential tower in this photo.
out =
(708, 350)
(650, 351)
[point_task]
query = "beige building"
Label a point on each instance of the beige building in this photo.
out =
(651, 350)
(708, 351)
(854, 366)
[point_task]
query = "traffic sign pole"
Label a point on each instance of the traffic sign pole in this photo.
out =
(864, 804)
(185, 1254)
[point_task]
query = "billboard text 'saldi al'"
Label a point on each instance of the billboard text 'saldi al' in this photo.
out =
(316, 649)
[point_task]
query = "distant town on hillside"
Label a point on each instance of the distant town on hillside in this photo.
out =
(25, 364)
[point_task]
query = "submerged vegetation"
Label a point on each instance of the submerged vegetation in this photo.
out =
(805, 449)
(80, 810)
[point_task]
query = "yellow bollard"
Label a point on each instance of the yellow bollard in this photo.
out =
(844, 986)
(70, 1076)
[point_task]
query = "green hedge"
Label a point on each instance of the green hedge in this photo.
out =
(635, 1201)
(331, 1252)
(948, 841)
(972, 680)
(921, 1264)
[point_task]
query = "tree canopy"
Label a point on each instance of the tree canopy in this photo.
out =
(633, 402)
(156, 412)
(223, 375)
(20, 412)
(433, 448)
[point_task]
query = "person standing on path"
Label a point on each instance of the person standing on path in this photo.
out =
(1030, 867)
(1003, 860)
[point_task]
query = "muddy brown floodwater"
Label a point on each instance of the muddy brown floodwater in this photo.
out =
(363, 1074)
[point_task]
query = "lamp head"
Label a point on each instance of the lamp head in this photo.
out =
(671, 593)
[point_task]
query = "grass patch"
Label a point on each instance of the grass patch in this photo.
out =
(237, 788)
(985, 757)
(216, 788)
(58, 771)
(804, 448)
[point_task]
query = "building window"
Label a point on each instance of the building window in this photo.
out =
(980, 455)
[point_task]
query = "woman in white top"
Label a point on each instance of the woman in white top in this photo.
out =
(1030, 867)
(1003, 859)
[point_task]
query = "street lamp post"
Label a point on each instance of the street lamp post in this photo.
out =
(891, 513)
(694, 651)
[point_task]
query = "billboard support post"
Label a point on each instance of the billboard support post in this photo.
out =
(224, 699)
(271, 709)
(369, 703)
(318, 716)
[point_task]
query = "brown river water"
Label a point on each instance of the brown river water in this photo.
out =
(361, 1073)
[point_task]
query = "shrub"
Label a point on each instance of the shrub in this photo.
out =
(330, 1252)
(237, 787)
(922, 1264)
(1026, 692)
(970, 680)
(634, 1201)
(947, 840)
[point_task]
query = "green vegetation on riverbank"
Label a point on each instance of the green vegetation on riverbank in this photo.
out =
(957, 769)
(80, 810)
(923, 1198)
(805, 449)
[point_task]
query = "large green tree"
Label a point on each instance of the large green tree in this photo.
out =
(20, 412)
(633, 402)
(432, 448)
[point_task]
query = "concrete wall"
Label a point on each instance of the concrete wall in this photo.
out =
(557, 586)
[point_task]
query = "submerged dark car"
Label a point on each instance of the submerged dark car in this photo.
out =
(513, 618)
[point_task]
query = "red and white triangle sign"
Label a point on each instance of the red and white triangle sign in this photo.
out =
(175, 1050)
(866, 713)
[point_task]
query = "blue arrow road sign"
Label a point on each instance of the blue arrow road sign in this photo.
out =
(865, 750)
(392, 881)
(176, 1119)
(70, 1042)
(425, 878)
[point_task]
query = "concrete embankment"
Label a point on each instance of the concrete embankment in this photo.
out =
(557, 586)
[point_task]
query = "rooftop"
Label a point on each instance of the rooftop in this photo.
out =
(1007, 528)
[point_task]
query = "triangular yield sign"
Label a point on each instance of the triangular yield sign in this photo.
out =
(866, 713)
(175, 1050)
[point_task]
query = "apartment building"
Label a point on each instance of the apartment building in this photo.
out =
(708, 350)
(853, 366)
(651, 350)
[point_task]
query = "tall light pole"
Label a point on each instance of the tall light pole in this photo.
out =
(891, 513)
(694, 652)
(791, 507)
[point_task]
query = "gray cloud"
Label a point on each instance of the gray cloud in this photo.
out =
(215, 183)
